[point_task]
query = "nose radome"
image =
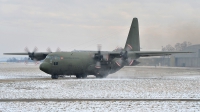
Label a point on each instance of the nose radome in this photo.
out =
(45, 67)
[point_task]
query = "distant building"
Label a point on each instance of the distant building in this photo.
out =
(189, 59)
(176, 60)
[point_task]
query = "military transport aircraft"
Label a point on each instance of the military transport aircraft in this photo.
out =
(98, 63)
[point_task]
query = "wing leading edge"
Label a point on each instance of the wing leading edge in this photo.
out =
(156, 53)
(15, 53)
(33, 56)
(146, 53)
(44, 53)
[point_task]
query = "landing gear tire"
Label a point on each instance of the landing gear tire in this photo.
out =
(99, 77)
(78, 76)
(84, 76)
(62, 76)
(54, 76)
(81, 76)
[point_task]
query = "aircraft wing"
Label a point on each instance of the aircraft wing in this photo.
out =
(45, 53)
(114, 55)
(145, 53)
(34, 56)
(15, 53)
(156, 53)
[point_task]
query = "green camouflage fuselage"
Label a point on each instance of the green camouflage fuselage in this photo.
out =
(75, 63)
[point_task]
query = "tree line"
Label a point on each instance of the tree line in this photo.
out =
(13, 59)
(177, 46)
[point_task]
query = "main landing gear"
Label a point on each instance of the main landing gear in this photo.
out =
(54, 76)
(77, 76)
(81, 76)
(101, 76)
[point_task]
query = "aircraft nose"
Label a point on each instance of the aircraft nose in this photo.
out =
(45, 67)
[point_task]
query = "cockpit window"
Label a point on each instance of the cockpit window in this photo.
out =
(47, 57)
(53, 57)
(57, 57)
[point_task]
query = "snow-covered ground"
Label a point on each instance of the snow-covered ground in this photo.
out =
(22, 81)
(106, 88)
(20, 70)
(107, 106)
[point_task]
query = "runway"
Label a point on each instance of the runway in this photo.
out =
(26, 88)
(80, 100)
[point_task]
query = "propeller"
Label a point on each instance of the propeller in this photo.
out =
(124, 56)
(98, 57)
(50, 51)
(129, 60)
(31, 54)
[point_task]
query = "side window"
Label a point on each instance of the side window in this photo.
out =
(53, 57)
(57, 57)
(50, 57)
(55, 63)
(47, 57)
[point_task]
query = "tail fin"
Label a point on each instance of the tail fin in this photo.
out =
(133, 40)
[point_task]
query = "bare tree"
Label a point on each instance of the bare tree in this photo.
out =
(170, 48)
(177, 47)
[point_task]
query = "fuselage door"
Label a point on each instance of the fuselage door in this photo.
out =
(55, 64)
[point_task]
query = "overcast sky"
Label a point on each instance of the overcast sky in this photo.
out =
(82, 24)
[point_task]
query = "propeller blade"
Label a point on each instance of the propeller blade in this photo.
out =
(25, 62)
(130, 61)
(58, 49)
(98, 65)
(49, 50)
(36, 62)
(119, 62)
(118, 49)
(106, 57)
(35, 49)
(128, 47)
(26, 50)
(91, 55)
(99, 47)
(98, 57)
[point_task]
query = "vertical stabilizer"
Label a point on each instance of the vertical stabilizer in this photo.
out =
(133, 41)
